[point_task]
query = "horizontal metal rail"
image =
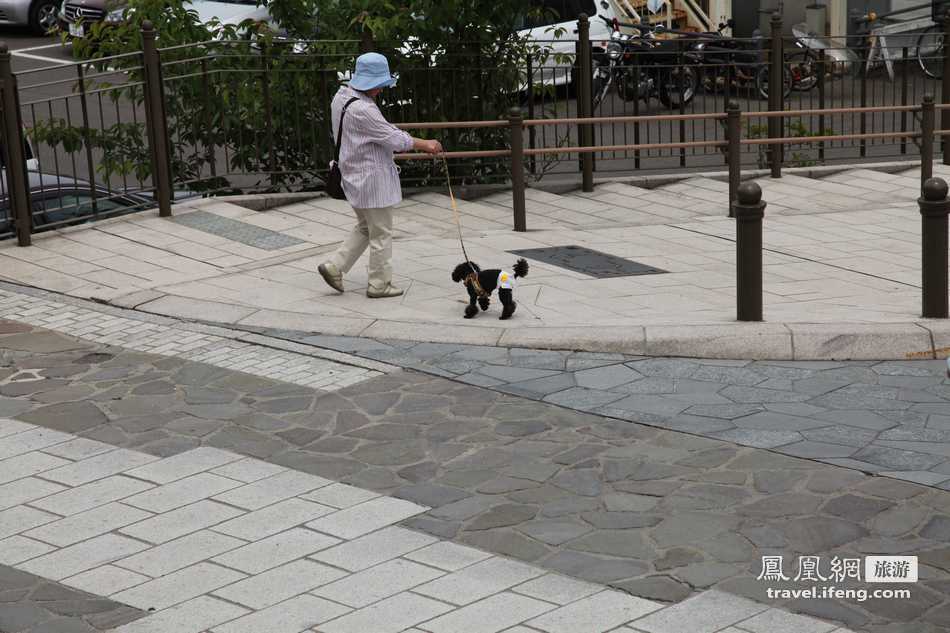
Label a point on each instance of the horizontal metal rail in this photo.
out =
(788, 140)
(449, 125)
(711, 116)
(765, 114)
(486, 153)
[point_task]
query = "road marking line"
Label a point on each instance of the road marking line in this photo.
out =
(41, 58)
(38, 48)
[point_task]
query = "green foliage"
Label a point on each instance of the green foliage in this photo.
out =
(245, 100)
(804, 154)
(122, 145)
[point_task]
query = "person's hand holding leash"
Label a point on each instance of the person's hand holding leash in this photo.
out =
(430, 147)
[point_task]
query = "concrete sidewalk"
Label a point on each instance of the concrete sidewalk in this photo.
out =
(842, 270)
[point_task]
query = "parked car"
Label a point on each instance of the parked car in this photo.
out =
(60, 201)
(32, 163)
(39, 15)
(561, 16)
(76, 16)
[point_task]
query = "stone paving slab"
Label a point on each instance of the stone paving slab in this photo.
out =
(841, 269)
(31, 604)
(890, 418)
(453, 590)
(660, 515)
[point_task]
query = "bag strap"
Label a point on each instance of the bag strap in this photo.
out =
(339, 131)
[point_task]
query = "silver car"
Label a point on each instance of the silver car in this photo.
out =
(39, 15)
(77, 16)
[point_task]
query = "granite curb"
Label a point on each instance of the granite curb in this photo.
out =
(924, 339)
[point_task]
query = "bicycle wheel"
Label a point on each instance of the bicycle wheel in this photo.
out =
(930, 51)
(803, 68)
(600, 86)
(762, 83)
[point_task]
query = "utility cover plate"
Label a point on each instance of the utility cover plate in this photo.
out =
(587, 261)
(238, 231)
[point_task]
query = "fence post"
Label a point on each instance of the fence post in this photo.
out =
(156, 121)
(945, 88)
(904, 76)
(17, 188)
(84, 110)
(366, 41)
(532, 133)
(776, 92)
(733, 155)
(516, 127)
(934, 207)
(863, 116)
(585, 101)
(268, 114)
(926, 139)
(822, 69)
(749, 211)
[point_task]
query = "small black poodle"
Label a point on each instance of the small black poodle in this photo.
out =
(481, 283)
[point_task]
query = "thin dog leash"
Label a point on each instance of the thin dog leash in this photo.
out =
(458, 223)
(455, 211)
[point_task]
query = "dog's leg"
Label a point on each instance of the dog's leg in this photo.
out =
(507, 302)
(484, 302)
(471, 309)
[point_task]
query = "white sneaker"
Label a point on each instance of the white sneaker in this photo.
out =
(331, 275)
(389, 291)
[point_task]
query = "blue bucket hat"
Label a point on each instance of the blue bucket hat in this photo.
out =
(372, 71)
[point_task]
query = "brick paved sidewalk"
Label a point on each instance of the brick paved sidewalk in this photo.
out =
(841, 276)
(663, 516)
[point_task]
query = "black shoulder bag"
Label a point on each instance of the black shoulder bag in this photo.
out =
(334, 186)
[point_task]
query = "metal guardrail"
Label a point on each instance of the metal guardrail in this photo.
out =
(731, 145)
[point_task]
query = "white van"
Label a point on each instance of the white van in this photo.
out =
(561, 16)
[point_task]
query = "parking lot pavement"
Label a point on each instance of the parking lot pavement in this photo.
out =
(32, 51)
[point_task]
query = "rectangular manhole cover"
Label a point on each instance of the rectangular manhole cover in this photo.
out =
(588, 261)
(237, 231)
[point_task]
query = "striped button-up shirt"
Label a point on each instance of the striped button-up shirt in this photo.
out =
(370, 177)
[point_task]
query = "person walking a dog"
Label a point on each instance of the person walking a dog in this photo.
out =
(369, 176)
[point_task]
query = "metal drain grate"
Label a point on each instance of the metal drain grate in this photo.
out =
(242, 232)
(588, 261)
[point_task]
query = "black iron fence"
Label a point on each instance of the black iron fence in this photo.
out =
(118, 134)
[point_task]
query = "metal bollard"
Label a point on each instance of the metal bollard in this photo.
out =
(585, 100)
(516, 128)
(157, 123)
(945, 88)
(733, 151)
(776, 93)
(934, 207)
(17, 186)
(926, 139)
(749, 211)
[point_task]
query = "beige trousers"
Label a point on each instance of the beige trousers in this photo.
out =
(374, 228)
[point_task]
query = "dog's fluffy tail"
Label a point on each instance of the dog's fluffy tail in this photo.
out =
(521, 268)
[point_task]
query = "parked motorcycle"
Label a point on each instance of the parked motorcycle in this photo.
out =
(747, 64)
(643, 67)
(741, 62)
